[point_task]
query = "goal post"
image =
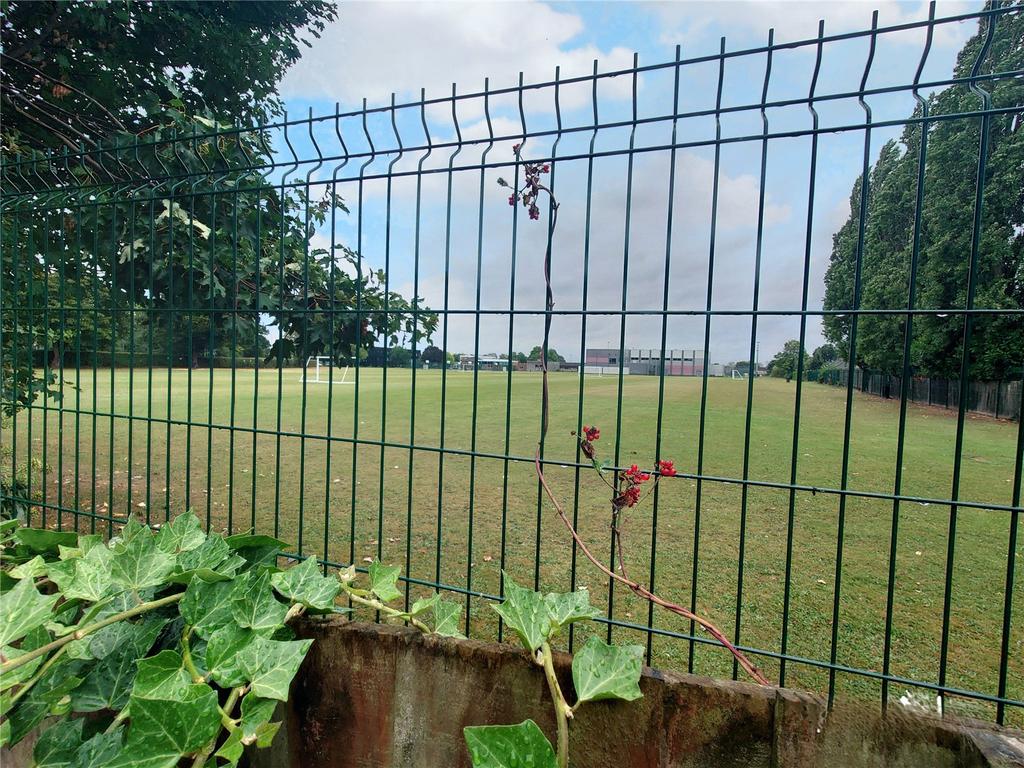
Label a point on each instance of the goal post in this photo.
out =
(326, 371)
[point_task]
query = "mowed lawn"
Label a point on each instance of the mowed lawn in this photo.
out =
(459, 518)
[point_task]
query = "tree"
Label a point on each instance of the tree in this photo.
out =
(553, 356)
(822, 356)
(784, 364)
(399, 357)
(520, 357)
(78, 72)
(432, 356)
(947, 218)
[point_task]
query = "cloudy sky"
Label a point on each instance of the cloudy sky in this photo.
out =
(451, 234)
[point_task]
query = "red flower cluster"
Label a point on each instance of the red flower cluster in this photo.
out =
(666, 469)
(635, 477)
(591, 434)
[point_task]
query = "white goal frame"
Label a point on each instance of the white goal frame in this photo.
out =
(324, 362)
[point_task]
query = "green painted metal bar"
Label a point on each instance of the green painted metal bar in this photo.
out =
(797, 396)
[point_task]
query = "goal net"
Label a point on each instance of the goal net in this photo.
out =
(320, 369)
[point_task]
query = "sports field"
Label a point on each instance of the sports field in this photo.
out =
(383, 497)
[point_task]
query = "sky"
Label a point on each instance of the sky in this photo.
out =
(451, 236)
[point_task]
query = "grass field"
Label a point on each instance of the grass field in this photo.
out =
(346, 504)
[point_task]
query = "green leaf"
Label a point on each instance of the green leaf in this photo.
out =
(254, 605)
(566, 607)
(98, 751)
(305, 584)
(383, 580)
(108, 684)
(46, 695)
(423, 604)
(602, 671)
(232, 749)
(37, 638)
(137, 562)
(87, 577)
(23, 609)
(224, 654)
(270, 665)
(526, 612)
(248, 540)
(58, 744)
(509, 746)
(255, 712)
(208, 606)
(29, 570)
(164, 727)
(44, 542)
(447, 618)
(161, 677)
(182, 534)
(265, 734)
(213, 560)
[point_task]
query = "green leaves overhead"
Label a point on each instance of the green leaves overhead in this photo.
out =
(384, 580)
(509, 746)
(602, 671)
(304, 583)
(23, 609)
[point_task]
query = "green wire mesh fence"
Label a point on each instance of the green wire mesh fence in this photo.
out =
(310, 328)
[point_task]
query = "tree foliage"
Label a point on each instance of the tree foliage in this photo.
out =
(785, 362)
(78, 72)
(553, 356)
(947, 219)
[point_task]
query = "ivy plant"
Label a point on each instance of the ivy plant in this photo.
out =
(175, 642)
(599, 671)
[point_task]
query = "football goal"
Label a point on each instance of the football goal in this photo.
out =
(326, 371)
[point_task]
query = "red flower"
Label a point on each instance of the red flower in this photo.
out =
(591, 433)
(515, 148)
(667, 468)
(545, 168)
(511, 199)
(628, 498)
(634, 476)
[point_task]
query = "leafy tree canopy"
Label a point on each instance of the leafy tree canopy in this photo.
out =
(785, 362)
(553, 356)
(947, 223)
(77, 72)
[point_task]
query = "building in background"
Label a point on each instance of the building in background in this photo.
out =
(641, 362)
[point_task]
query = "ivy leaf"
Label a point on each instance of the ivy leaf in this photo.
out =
(98, 751)
(270, 665)
(602, 671)
(213, 560)
(566, 607)
(447, 618)
(208, 606)
(305, 584)
(86, 577)
(161, 676)
(58, 744)
(182, 534)
(45, 542)
(162, 728)
(23, 609)
(255, 713)
(526, 612)
(423, 604)
(108, 684)
(257, 549)
(232, 749)
(37, 638)
(509, 746)
(138, 563)
(224, 654)
(29, 570)
(52, 687)
(254, 605)
(383, 580)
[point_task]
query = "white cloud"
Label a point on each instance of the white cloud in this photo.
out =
(376, 48)
(798, 19)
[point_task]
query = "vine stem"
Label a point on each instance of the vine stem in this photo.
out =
(634, 586)
(36, 677)
(386, 609)
(562, 709)
(78, 634)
